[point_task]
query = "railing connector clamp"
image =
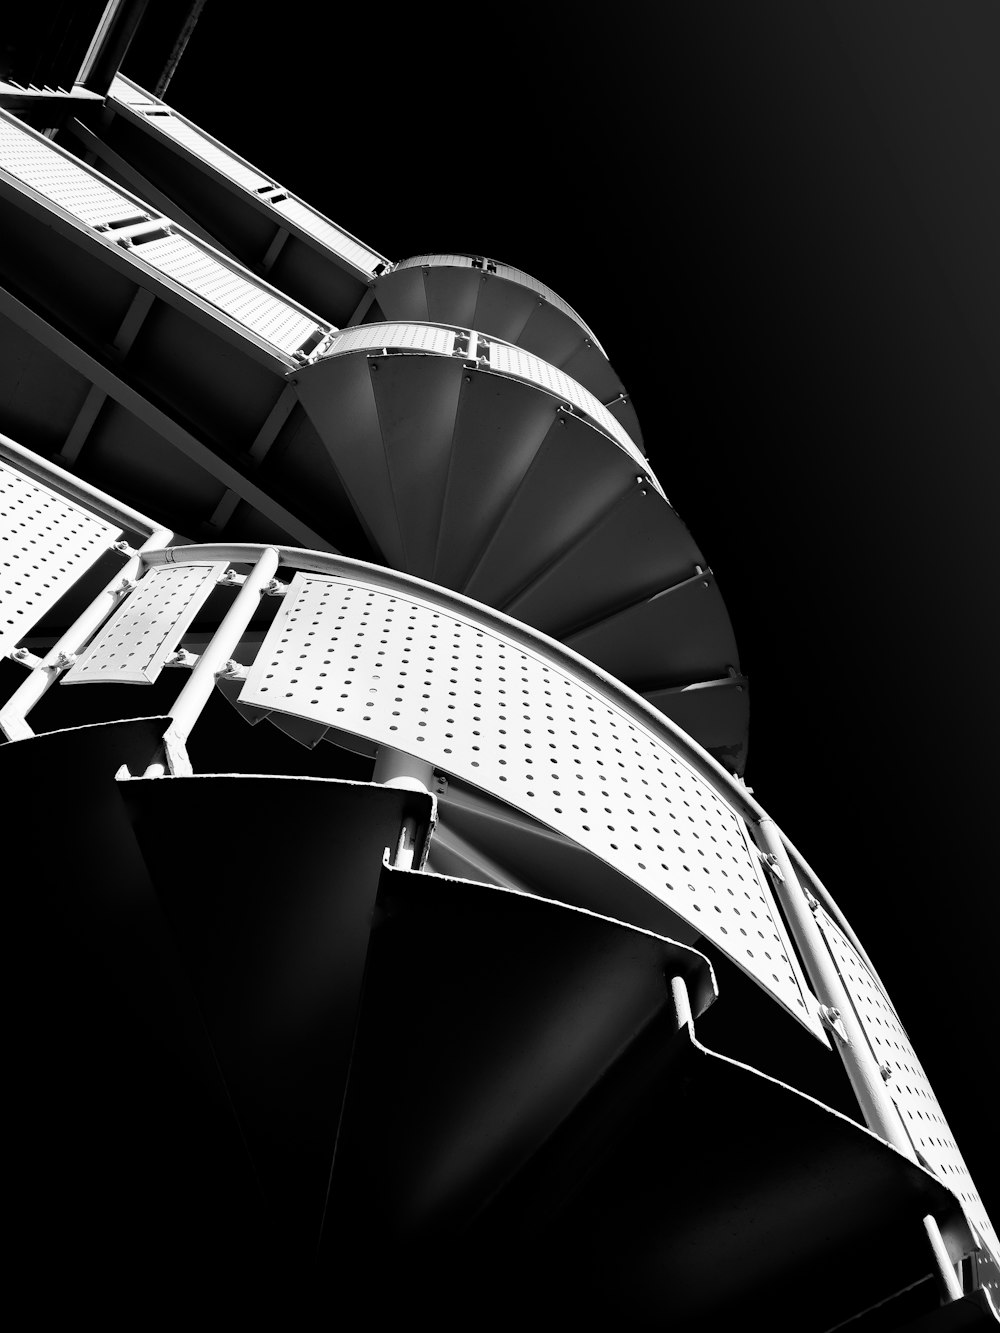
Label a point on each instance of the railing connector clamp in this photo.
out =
(230, 579)
(126, 586)
(63, 661)
(275, 588)
(123, 548)
(232, 670)
(181, 658)
(19, 654)
(833, 1022)
(771, 861)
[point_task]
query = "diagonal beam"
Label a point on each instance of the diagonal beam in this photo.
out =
(103, 377)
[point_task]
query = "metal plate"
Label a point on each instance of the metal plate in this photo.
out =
(249, 302)
(501, 271)
(404, 337)
(523, 365)
(321, 229)
(136, 642)
(210, 152)
(908, 1085)
(37, 163)
(46, 544)
(403, 673)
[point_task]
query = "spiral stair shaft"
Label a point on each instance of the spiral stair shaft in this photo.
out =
(385, 917)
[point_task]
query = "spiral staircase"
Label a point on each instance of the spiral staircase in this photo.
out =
(366, 950)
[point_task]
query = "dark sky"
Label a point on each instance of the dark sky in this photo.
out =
(783, 222)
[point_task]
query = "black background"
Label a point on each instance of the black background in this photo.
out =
(783, 222)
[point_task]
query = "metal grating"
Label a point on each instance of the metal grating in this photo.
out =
(328, 233)
(46, 544)
(514, 361)
(210, 152)
(406, 337)
(400, 672)
(143, 632)
(123, 91)
(254, 306)
(64, 182)
(908, 1085)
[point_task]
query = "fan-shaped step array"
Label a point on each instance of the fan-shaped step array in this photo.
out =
(507, 303)
(370, 1069)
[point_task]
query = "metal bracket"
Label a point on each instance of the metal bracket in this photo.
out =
(124, 549)
(771, 861)
(26, 658)
(232, 670)
(230, 579)
(182, 658)
(275, 588)
(832, 1021)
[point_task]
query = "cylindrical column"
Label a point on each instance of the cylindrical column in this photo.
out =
(34, 686)
(394, 768)
(172, 755)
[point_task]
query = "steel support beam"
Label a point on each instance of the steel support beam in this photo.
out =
(105, 378)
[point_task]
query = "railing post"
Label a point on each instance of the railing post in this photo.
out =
(877, 1107)
(172, 755)
(34, 686)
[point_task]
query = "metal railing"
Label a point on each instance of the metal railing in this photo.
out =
(370, 621)
(493, 268)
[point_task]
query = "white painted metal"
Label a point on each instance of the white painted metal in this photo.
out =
(164, 120)
(79, 492)
(212, 663)
(321, 229)
(184, 133)
(134, 645)
(906, 1081)
(36, 163)
(514, 361)
(403, 673)
(46, 543)
(14, 712)
(240, 296)
(403, 337)
(499, 270)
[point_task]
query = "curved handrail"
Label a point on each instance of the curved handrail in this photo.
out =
(494, 355)
(723, 783)
(495, 269)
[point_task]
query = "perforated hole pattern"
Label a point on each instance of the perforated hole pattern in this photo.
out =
(211, 153)
(134, 644)
(46, 544)
(407, 674)
(38, 164)
(408, 337)
(319, 227)
(908, 1084)
(254, 306)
